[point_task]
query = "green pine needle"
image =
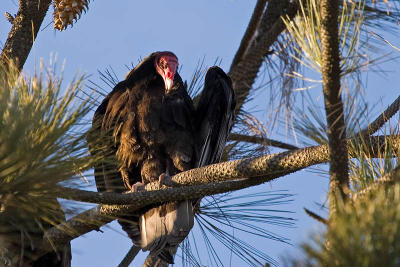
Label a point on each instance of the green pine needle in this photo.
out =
(41, 145)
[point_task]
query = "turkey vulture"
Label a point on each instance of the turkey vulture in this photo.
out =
(147, 129)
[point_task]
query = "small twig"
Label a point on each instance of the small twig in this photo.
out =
(9, 17)
(261, 141)
(130, 255)
(316, 216)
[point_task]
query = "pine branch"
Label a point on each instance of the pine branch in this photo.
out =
(9, 17)
(382, 119)
(25, 27)
(260, 140)
(243, 72)
(338, 168)
(209, 180)
(250, 31)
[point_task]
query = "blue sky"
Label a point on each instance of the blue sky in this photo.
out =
(118, 33)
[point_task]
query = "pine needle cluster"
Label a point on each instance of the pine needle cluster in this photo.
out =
(365, 233)
(41, 145)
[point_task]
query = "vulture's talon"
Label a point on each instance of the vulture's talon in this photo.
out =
(138, 187)
(165, 179)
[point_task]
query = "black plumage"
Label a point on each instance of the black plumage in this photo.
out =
(146, 127)
(214, 116)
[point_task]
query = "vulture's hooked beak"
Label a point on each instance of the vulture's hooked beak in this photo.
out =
(169, 81)
(169, 74)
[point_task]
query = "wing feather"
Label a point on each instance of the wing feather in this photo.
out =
(107, 137)
(214, 116)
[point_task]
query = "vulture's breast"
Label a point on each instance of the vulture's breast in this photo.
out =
(149, 113)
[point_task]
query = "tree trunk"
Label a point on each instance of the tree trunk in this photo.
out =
(25, 28)
(339, 177)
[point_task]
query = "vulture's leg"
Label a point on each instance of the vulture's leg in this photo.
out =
(165, 178)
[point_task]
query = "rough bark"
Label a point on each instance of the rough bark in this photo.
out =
(25, 27)
(338, 170)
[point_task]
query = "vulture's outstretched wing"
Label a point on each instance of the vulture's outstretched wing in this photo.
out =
(214, 116)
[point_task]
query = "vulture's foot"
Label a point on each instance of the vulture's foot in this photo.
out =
(138, 187)
(165, 179)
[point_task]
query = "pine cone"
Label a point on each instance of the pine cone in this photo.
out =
(66, 12)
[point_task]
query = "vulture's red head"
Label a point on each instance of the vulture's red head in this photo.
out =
(166, 64)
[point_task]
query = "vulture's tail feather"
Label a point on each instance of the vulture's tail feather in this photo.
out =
(131, 226)
(166, 256)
